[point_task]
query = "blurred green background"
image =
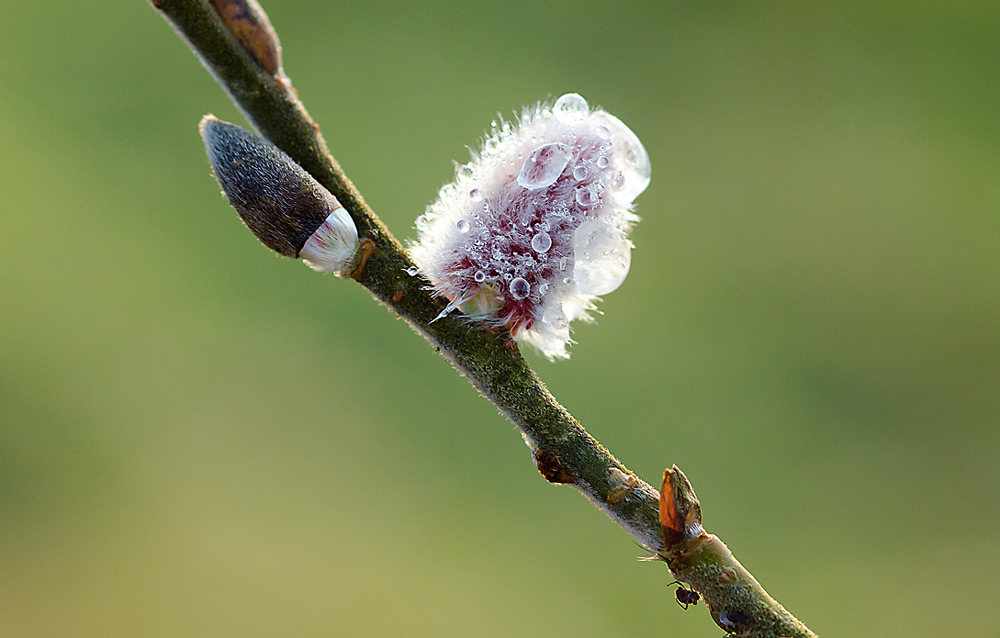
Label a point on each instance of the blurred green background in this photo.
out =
(200, 439)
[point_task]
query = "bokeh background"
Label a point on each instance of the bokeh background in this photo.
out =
(198, 438)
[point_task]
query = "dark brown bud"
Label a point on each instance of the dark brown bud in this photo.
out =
(278, 201)
(550, 467)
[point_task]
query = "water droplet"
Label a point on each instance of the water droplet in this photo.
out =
(562, 265)
(585, 196)
(476, 195)
(412, 271)
(463, 225)
(507, 276)
(544, 288)
(617, 182)
(631, 156)
(464, 172)
(480, 276)
(603, 132)
(566, 280)
(580, 172)
(602, 256)
(571, 109)
(519, 288)
(603, 161)
(544, 166)
(541, 242)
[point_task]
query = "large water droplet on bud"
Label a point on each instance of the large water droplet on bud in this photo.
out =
(629, 156)
(544, 166)
(571, 109)
(602, 257)
(519, 288)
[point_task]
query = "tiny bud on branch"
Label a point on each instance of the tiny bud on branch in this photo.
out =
(680, 511)
(737, 602)
(248, 23)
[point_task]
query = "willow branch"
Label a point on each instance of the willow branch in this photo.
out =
(237, 45)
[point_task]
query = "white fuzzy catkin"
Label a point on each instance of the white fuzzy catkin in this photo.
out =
(535, 227)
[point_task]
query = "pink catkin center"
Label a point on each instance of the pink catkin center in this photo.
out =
(518, 243)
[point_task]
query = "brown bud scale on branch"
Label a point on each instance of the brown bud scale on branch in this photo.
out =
(248, 23)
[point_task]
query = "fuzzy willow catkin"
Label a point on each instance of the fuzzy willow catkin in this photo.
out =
(535, 227)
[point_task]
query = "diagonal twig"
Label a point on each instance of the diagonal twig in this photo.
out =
(237, 45)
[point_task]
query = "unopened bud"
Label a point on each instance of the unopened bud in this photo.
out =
(248, 23)
(282, 204)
